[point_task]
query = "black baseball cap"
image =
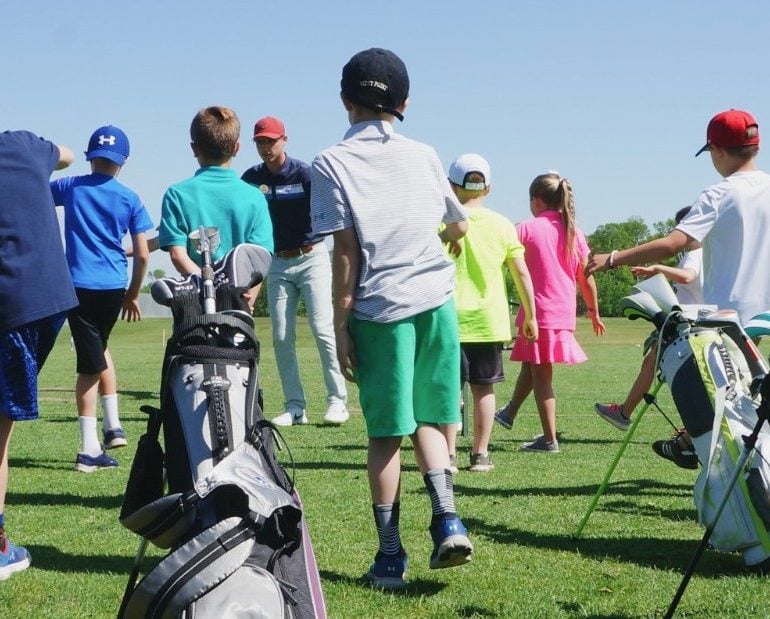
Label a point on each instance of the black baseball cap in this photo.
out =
(376, 79)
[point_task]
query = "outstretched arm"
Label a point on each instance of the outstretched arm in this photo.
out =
(653, 251)
(675, 274)
(182, 261)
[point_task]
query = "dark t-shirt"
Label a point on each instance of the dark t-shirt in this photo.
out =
(34, 278)
(288, 197)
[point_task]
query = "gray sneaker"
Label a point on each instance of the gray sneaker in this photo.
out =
(540, 444)
(481, 463)
(613, 413)
(453, 464)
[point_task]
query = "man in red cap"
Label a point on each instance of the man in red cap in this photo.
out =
(300, 269)
(729, 220)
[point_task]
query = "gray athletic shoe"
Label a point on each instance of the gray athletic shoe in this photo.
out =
(501, 417)
(481, 463)
(613, 413)
(540, 444)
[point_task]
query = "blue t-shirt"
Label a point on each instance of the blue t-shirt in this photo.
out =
(34, 279)
(288, 197)
(215, 197)
(98, 213)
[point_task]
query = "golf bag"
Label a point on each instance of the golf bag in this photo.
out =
(231, 518)
(713, 370)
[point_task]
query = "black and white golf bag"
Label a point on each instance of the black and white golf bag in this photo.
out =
(230, 516)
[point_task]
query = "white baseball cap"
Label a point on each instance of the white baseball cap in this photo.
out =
(465, 165)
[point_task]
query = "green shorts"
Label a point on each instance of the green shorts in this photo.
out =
(408, 371)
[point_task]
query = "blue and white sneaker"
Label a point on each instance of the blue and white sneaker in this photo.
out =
(451, 546)
(12, 558)
(387, 571)
(114, 438)
(88, 464)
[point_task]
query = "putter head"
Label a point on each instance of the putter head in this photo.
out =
(660, 290)
(166, 289)
(245, 266)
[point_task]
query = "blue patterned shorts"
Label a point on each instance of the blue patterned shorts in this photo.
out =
(23, 351)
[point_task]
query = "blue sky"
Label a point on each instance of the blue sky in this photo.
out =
(613, 95)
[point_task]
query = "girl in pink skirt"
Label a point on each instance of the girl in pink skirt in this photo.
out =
(555, 252)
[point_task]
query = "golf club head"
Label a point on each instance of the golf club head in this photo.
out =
(164, 290)
(245, 265)
(640, 304)
(660, 290)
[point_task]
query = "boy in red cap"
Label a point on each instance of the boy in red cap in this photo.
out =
(729, 220)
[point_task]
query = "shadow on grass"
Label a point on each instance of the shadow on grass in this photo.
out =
(52, 559)
(419, 587)
(634, 487)
(41, 463)
(649, 552)
(92, 502)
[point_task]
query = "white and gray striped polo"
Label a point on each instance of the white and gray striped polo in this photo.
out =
(395, 194)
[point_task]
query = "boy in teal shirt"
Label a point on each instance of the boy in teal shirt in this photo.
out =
(215, 197)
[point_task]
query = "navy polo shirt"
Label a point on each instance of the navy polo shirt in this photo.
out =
(288, 198)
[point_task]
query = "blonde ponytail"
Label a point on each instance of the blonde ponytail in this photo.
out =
(556, 192)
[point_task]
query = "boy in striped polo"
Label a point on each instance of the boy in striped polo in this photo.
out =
(383, 197)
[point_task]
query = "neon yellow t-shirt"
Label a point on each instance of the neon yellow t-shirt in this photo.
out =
(481, 301)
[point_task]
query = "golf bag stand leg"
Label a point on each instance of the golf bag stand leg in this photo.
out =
(749, 442)
(618, 455)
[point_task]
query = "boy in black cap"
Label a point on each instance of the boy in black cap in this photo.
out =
(383, 197)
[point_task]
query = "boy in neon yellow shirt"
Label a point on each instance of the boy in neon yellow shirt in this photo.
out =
(481, 300)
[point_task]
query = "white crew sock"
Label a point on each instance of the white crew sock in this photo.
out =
(111, 421)
(89, 441)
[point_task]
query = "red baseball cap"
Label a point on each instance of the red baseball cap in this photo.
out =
(269, 127)
(730, 129)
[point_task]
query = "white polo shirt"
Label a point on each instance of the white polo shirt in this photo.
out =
(393, 191)
(731, 220)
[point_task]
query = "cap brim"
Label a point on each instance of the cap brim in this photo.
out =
(272, 136)
(107, 154)
(706, 147)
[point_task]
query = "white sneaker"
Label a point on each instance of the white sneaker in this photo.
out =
(290, 418)
(336, 414)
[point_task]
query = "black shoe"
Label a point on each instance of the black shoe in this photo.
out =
(671, 450)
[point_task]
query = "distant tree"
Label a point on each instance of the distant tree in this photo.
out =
(151, 277)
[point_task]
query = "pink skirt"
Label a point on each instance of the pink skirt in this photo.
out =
(552, 346)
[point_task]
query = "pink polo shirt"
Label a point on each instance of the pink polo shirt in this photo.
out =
(553, 275)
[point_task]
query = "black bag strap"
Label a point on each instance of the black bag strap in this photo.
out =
(216, 385)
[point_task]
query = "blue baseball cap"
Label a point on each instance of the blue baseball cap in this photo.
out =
(110, 143)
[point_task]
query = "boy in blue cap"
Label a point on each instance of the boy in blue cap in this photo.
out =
(98, 212)
(35, 293)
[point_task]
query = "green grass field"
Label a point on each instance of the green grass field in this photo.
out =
(522, 516)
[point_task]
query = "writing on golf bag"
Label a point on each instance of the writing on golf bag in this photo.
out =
(710, 377)
(233, 522)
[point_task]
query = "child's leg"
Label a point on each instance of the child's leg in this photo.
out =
(6, 429)
(384, 469)
(542, 376)
(520, 392)
(641, 384)
(483, 416)
(86, 389)
(108, 387)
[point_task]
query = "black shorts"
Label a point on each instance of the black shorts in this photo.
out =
(481, 363)
(91, 324)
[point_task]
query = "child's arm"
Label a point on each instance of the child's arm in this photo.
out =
(675, 274)
(182, 261)
(131, 310)
(588, 291)
(523, 281)
(345, 264)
